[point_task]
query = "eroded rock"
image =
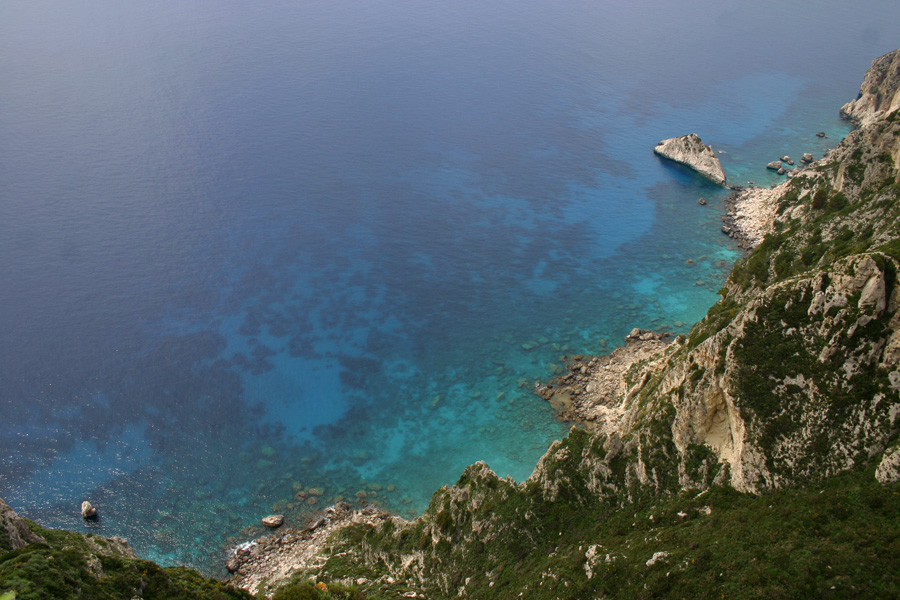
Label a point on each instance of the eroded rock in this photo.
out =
(689, 150)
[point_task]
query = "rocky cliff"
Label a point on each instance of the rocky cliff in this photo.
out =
(689, 150)
(880, 92)
(748, 458)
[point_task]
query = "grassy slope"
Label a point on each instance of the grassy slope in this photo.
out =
(73, 566)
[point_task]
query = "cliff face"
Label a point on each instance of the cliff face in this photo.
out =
(880, 92)
(690, 151)
(792, 378)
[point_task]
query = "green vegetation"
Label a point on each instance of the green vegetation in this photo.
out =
(310, 590)
(836, 538)
(74, 566)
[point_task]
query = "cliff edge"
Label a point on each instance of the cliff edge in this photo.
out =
(879, 93)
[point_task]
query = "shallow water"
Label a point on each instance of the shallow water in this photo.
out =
(330, 248)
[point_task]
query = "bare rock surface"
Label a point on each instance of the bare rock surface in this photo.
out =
(272, 559)
(88, 511)
(14, 530)
(591, 392)
(689, 150)
(879, 94)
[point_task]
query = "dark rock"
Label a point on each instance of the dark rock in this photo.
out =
(821, 134)
(702, 201)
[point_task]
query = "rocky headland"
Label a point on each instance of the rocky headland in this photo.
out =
(758, 456)
(786, 395)
(689, 150)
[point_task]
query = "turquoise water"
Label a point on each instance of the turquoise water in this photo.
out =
(254, 250)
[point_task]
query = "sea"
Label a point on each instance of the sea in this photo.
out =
(261, 257)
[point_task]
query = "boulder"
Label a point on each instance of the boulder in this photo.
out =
(689, 150)
(88, 511)
(774, 165)
(273, 521)
(807, 157)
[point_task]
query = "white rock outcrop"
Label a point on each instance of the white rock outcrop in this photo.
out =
(689, 150)
(888, 470)
(879, 94)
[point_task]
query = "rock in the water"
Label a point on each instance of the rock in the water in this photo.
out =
(702, 201)
(821, 134)
(781, 171)
(880, 92)
(807, 157)
(774, 165)
(88, 511)
(787, 159)
(273, 521)
(690, 151)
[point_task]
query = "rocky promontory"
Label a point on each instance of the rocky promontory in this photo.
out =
(880, 92)
(689, 150)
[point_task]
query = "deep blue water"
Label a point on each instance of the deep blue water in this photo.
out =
(251, 248)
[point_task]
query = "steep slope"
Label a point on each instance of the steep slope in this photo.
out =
(788, 392)
(39, 564)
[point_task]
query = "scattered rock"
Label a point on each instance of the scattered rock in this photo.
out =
(774, 165)
(806, 158)
(702, 201)
(273, 521)
(88, 511)
(821, 134)
(781, 171)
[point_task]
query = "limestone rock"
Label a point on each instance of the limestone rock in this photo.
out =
(690, 151)
(879, 94)
(88, 511)
(888, 470)
(774, 165)
(273, 521)
(807, 157)
(14, 531)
